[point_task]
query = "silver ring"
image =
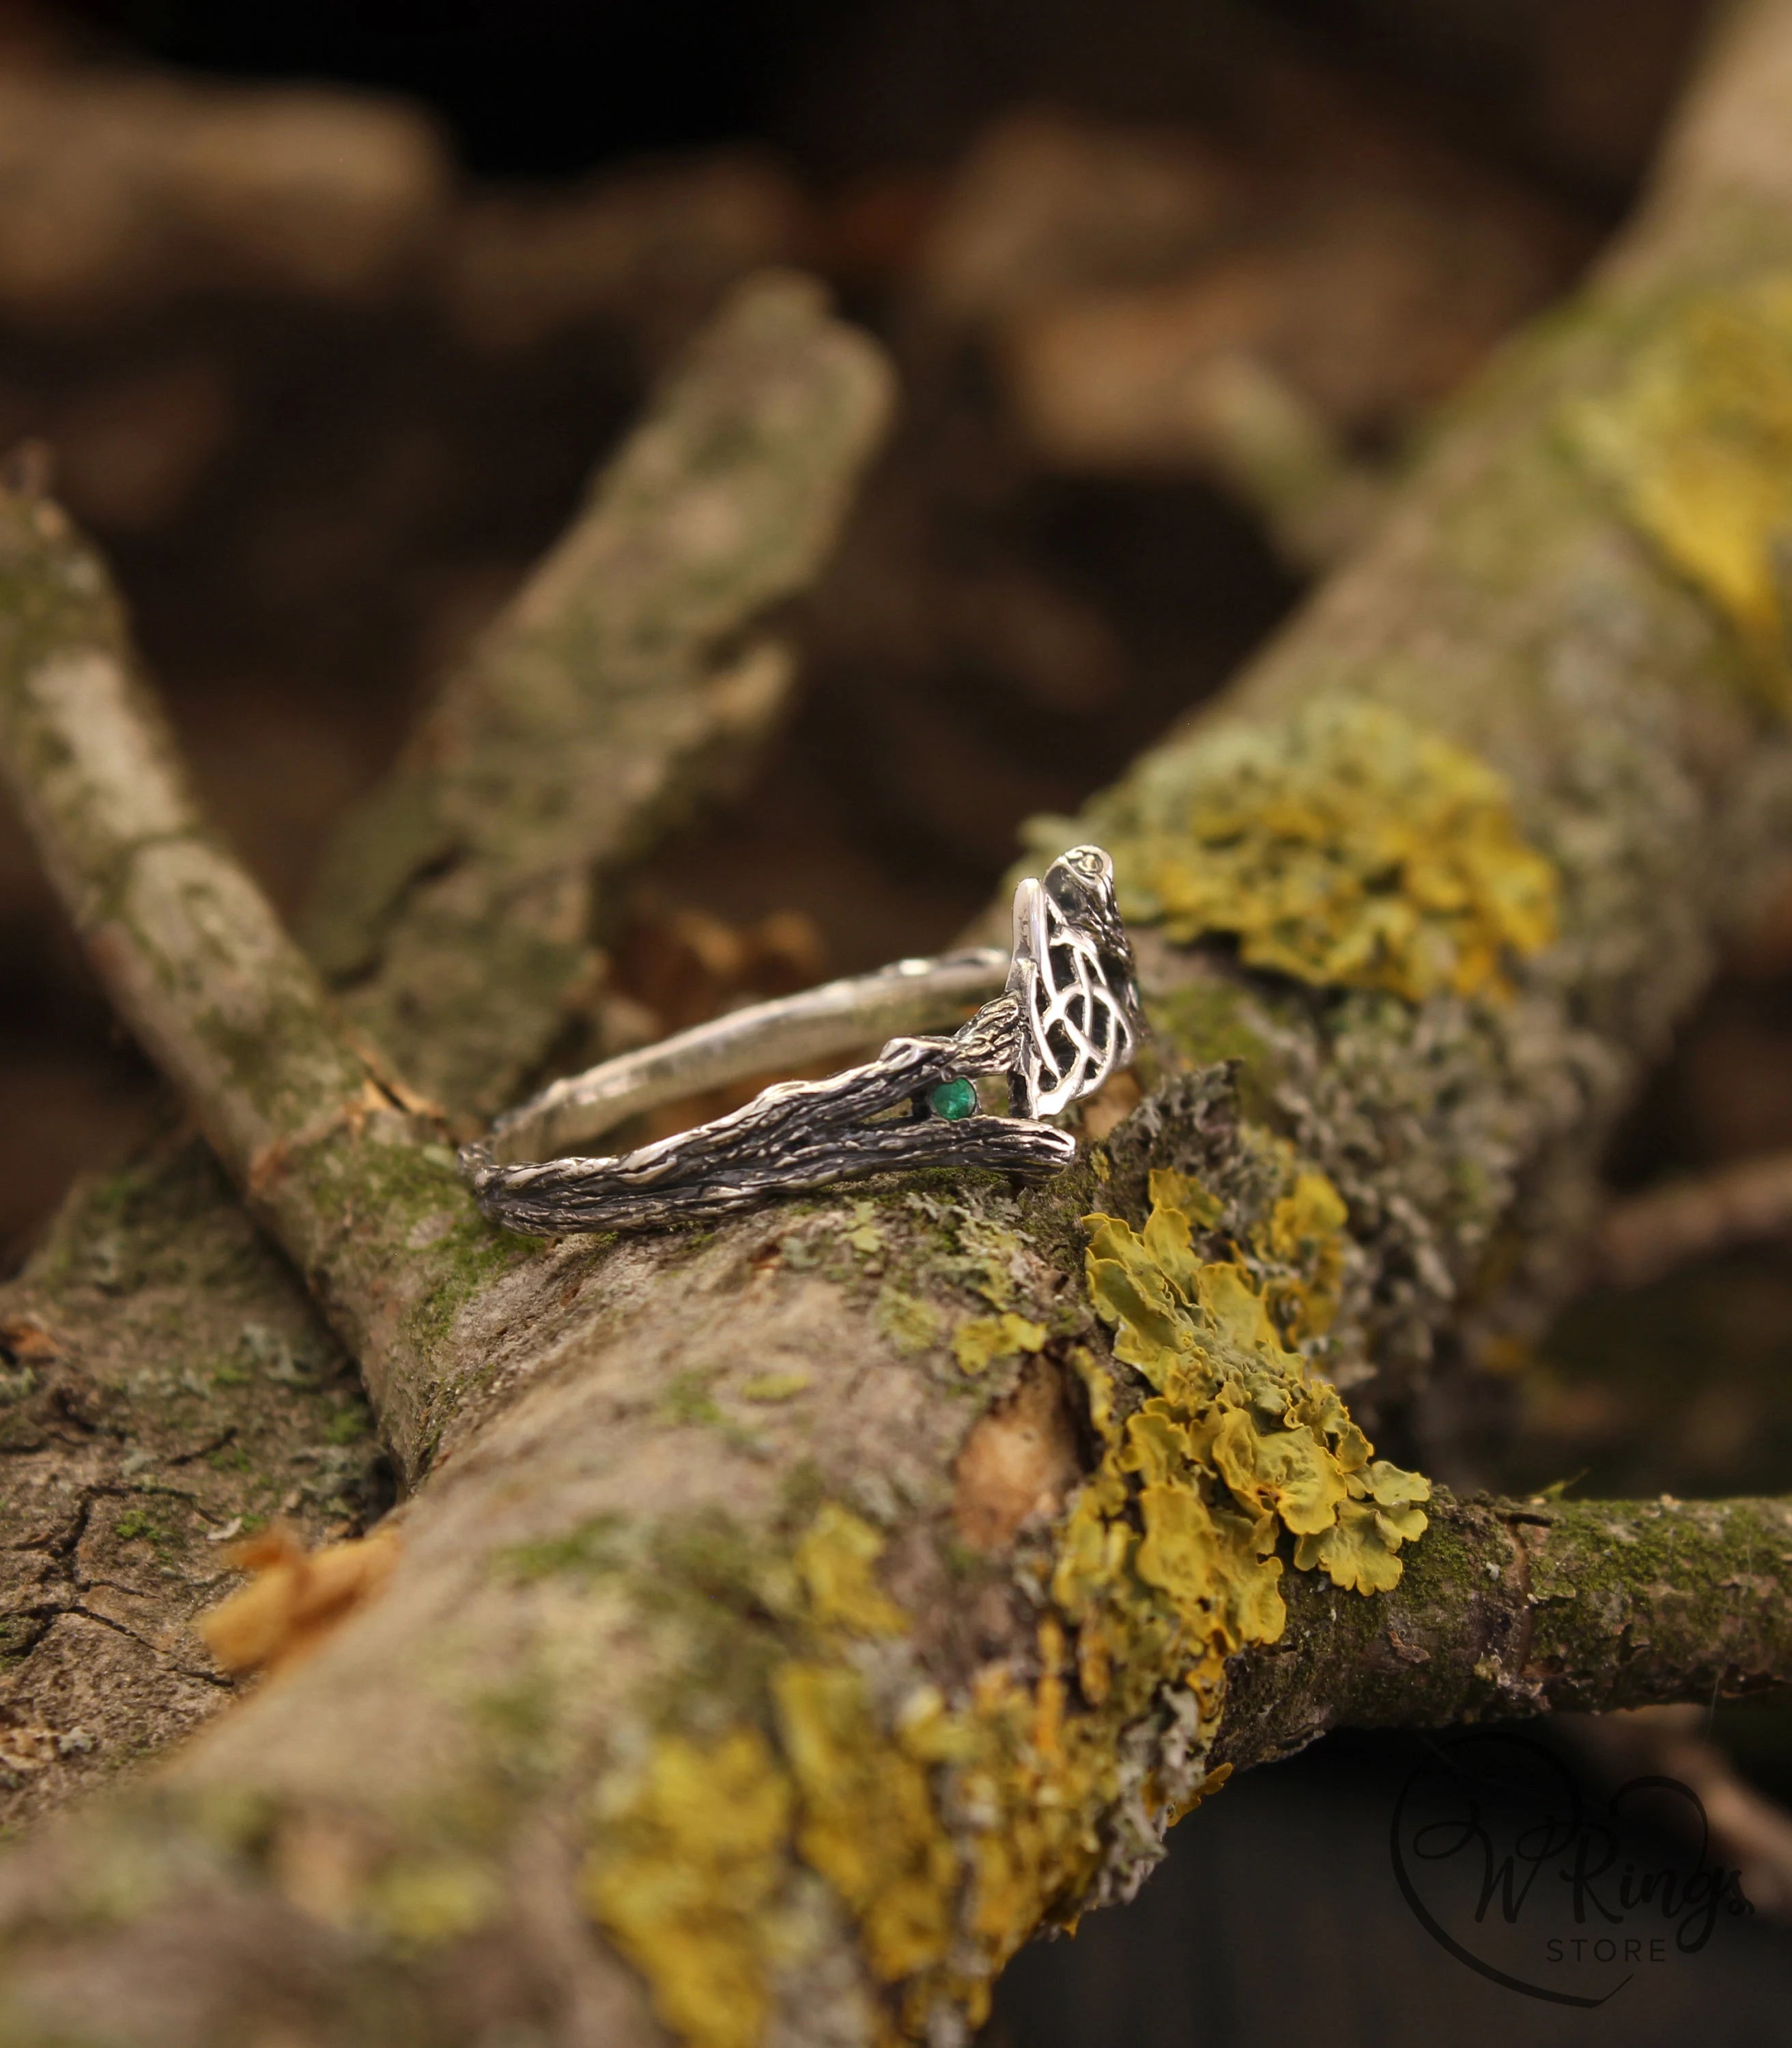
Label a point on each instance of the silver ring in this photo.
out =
(1066, 1019)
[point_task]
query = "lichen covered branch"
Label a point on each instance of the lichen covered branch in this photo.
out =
(191, 951)
(632, 677)
(801, 1613)
(188, 947)
(163, 1380)
(608, 692)
(1508, 1609)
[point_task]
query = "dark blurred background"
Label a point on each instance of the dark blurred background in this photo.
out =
(328, 310)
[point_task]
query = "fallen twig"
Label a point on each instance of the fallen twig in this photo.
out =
(1648, 1235)
(631, 678)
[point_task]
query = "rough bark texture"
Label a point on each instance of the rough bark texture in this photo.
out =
(1505, 1610)
(169, 1386)
(631, 677)
(808, 1609)
(156, 1348)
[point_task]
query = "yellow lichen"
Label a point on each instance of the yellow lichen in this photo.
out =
(1239, 1433)
(911, 1323)
(1306, 1232)
(950, 1831)
(687, 1879)
(980, 1340)
(864, 1233)
(1697, 441)
(419, 1903)
(868, 1823)
(775, 1387)
(1165, 1566)
(833, 1561)
(1034, 1780)
(1348, 848)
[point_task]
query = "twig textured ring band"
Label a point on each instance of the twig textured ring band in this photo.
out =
(1067, 1018)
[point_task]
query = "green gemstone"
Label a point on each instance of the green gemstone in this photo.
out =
(953, 1100)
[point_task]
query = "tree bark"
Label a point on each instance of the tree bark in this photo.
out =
(794, 1615)
(1508, 1609)
(168, 1372)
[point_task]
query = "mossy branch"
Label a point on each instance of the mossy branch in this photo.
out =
(1510, 1608)
(610, 691)
(188, 947)
(632, 677)
(156, 1349)
(802, 1613)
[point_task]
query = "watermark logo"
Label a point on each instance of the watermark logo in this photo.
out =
(1507, 1863)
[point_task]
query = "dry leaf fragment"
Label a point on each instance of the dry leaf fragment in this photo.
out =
(29, 1342)
(296, 1598)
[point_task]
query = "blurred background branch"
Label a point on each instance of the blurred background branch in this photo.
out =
(635, 676)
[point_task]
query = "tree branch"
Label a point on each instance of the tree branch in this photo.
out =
(807, 1610)
(630, 678)
(190, 950)
(1649, 1234)
(162, 1372)
(165, 1385)
(534, 774)
(1507, 1610)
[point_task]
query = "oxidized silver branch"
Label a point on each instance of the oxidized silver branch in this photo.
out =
(1067, 1018)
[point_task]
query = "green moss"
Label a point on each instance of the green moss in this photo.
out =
(910, 1323)
(350, 1424)
(717, 1590)
(405, 1184)
(593, 1548)
(714, 1556)
(18, 1633)
(519, 1717)
(472, 1256)
(276, 1061)
(688, 1401)
(1209, 1020)
(371, 862)
(802, 1491)
(136, 1524)
(115, 1198)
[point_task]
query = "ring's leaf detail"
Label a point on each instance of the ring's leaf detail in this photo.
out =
(1069, 1018)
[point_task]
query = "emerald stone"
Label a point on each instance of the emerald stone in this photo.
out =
(953, 1100)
